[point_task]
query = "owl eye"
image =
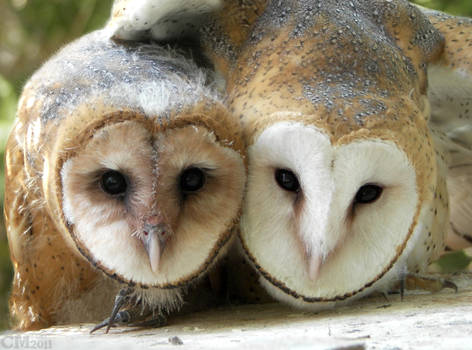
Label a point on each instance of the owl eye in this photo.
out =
(368, 193)
(192, 179)
(287, 180)
(113, 182)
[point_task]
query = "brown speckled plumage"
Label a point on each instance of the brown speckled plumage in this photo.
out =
(458, 43)
(451, 103)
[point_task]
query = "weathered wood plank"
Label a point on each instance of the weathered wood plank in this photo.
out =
(421, 321)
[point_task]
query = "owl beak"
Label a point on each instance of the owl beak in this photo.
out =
(154, 240)
(313, 265)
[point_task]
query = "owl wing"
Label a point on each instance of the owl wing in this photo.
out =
(29, 304)
(47, 272)
(158, 19)
(450, 96)
(18, 224)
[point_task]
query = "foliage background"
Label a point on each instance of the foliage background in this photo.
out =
(30, 32)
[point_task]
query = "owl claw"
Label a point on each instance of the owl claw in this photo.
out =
(130, 318)
(426, 282)
(121, 318)
(450, 284)
(100, 325)
(135, 316)
(121, 299)
(403, 286)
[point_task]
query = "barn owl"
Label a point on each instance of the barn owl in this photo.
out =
(347, 163)
(124, 171)
(349, 147)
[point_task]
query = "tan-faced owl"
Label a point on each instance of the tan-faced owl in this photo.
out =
(123, 168)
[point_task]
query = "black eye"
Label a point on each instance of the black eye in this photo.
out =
(113, 182)
(368, 194)
(192, 179)
(287, 180)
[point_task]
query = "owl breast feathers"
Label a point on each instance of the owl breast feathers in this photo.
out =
(122, 162)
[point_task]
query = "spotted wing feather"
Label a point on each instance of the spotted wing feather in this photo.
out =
(450, 95)
(47, 272)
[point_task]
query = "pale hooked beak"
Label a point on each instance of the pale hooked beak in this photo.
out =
(313, 266)
(154, 240)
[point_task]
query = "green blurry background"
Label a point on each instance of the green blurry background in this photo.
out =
(32, 30)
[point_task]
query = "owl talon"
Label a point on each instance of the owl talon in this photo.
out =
(120, 300)
(403, 286)
(429, 283)
(132, 317)
(100, 325)
(121, 317)
(449, 284)
(135, 316)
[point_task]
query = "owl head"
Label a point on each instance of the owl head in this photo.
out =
(140, 164)
(342, 168)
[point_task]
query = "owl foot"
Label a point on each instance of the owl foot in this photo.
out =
(430, 283)
(122, 298)
(132, 318)
(135, 316)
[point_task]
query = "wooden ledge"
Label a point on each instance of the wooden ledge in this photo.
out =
(421, 321)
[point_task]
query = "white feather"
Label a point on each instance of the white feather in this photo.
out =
(164, 19)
